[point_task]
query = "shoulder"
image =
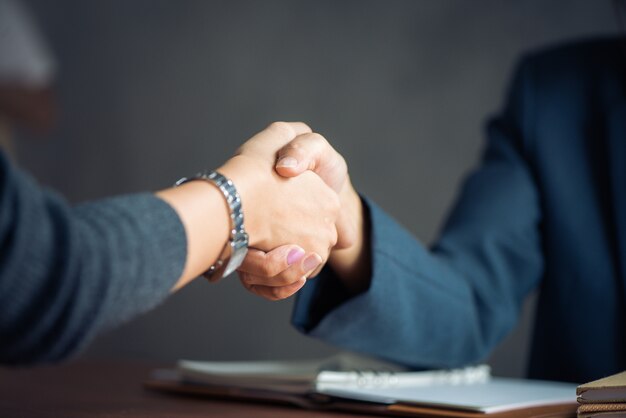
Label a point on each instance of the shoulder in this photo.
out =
(578, 58)
(575, 70)
(561, 86)
(558, 90)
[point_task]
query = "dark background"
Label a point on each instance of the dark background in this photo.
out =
(150, 91)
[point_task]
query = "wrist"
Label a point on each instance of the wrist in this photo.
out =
(246, 175)
(236, 248)
(352, 264)
(205, 217)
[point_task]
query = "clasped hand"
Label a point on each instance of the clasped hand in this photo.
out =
(298, 205)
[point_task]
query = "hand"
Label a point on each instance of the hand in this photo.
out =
(267, 273)
(279, 273)
(312, 152)
(280, 211)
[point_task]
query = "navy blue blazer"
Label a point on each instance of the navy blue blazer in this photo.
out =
(545, 210)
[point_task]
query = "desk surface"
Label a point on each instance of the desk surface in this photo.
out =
(107, 389)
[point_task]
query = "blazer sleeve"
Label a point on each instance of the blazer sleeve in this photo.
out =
(449, 305)
(68, 272)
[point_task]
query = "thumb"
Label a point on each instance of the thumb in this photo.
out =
(311, 151)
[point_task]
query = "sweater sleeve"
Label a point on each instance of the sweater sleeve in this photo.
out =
(452, 304)
(67, 273)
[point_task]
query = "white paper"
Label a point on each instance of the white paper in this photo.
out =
(496, 395)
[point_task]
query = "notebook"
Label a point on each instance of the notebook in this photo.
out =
(494, 395)
(340, 371)
(608, 389)
(603, 398)
(361, 384)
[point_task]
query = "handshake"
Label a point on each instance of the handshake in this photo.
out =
(300, 210)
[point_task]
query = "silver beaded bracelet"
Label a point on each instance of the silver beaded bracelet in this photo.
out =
(236, 248)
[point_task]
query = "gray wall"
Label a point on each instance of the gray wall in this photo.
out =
(153, 90)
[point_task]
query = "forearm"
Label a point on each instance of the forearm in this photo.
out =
(69, 272)
(204, 214)
(408, 288)
(414, 296)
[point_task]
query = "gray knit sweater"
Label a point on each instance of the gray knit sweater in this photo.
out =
(67, 273)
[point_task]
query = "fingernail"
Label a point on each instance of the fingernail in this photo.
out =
(295, 255)
(311, 262)
(288, 162)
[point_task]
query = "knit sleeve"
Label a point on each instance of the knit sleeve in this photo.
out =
(68, 272)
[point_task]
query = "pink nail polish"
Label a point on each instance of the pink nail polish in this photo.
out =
(311, 262)
(295, 255)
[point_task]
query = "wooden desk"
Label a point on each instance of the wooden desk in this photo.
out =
(108, 389)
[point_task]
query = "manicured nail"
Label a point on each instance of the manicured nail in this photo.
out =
(295, 255)
(287, 162)
(311, 262)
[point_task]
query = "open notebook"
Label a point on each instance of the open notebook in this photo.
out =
(361, 384)
(340, 371)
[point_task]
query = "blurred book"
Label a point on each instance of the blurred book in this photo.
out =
(603, 398)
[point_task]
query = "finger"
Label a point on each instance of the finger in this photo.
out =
(313, 273)
(311, 151)
(305, 152)
(275, 136)
(287, 277)
(277, 293)
(299, 128)
(283, 131)
(260, 263)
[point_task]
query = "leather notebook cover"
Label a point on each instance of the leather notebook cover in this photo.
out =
(610, 389)
(602, 410)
